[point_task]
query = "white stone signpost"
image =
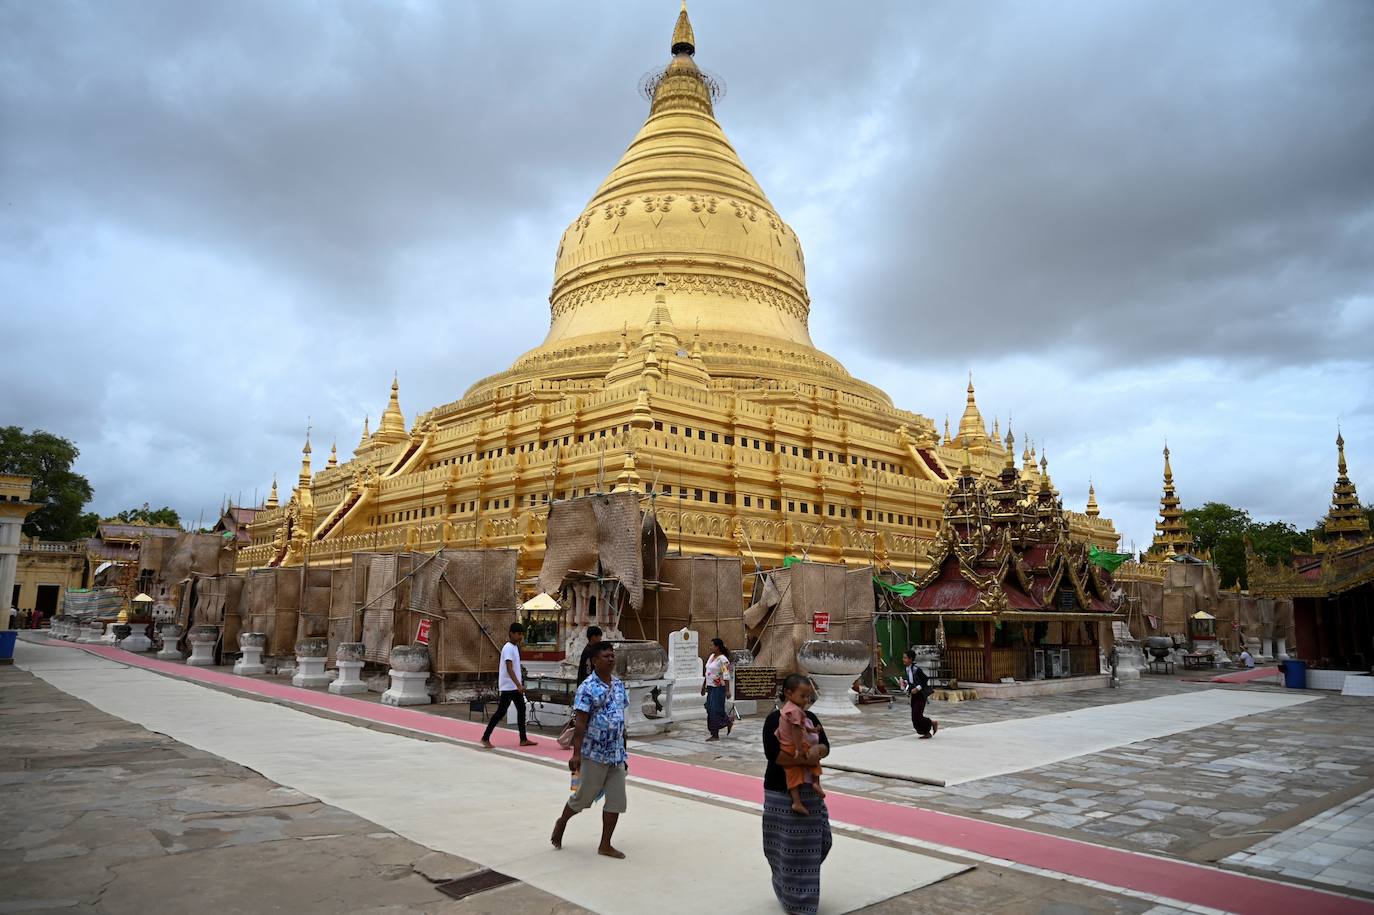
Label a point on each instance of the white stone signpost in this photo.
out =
(686, 671)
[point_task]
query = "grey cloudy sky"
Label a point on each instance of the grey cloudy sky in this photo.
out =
(1131, 220)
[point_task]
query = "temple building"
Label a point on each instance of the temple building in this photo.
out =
(1009, 593)
(1332, 588)
(679, 364)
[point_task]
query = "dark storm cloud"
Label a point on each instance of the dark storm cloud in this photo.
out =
(1134, 220)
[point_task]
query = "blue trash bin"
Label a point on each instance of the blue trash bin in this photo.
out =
(1294, 673)
(7, 637)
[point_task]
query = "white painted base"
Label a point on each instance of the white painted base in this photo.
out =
(348, 682)
(91, 634)
(1358, 685)
(688, 702)
(835, 695)
(137, 643)
(169, 652)
(249, 663)
(310, 673)
(202, 654)
(1022, 689)
(636, 723)
(407, 688)
(1329, 679)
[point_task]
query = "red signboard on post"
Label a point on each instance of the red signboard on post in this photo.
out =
(422, 633)
(820, 622)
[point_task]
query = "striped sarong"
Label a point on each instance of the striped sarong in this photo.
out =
(795, 847)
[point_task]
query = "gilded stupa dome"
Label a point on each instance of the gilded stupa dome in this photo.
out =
(681, 214)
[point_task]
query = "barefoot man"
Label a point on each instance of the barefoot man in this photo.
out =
(598, 748)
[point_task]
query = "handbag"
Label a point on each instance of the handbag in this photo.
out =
(565, 738)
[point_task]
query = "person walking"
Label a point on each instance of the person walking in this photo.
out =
(915, 682)
(714, 687)
(599, 761)
(796, 844)
(511, 682)
(584, 664)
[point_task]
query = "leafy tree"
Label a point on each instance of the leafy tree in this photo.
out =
(62, 492)
(162, 517)
(1221, 529)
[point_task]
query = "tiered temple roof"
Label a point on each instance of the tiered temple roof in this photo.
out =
(1345, 524)
(1004, 552)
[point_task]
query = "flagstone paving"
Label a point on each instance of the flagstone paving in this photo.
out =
(1335, 848)
(1201, 795)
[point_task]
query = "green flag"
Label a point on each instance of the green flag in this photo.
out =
(902, 589)
(1105, 559)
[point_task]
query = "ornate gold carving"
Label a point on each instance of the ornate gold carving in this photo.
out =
(682, 283)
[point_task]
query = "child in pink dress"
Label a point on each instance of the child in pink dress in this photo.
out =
(796, 736)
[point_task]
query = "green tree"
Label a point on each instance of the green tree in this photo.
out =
(162, 517)
(62, 492)
(1221, 530)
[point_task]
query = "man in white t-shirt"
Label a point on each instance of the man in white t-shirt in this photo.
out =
(1247, 659)
(511, 682)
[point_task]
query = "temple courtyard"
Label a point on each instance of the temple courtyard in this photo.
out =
(133, 784)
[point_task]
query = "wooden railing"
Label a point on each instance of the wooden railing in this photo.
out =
(967, 664)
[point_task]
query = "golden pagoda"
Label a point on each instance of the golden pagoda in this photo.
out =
(678, 363)
(1172, 536)
(1345, 524)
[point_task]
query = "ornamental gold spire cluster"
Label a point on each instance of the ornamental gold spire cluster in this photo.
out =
(1345, 523)
(1171, 530)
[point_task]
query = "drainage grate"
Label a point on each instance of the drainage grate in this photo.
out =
(473, 884)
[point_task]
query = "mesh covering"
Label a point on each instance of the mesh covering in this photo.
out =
(780, 619)
(273, 608)
(703, 594)
(618, 533)
(569, 544)
(90, 604)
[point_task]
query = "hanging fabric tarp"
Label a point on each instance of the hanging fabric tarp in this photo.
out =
(1105, 559)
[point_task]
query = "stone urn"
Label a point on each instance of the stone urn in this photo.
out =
(202, 639)
(409, 671)
(136, 639)
(410, 658)
(641, 664)
(637, 659)
(251, 646)
(834, 664)
(349, 659)
(170, 633)
(311, 654)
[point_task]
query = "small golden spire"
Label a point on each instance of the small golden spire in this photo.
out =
(305, 462)
(333, 455)
(948, 440)
(684, 41)
(1092, 511)
(272, 496)
(1011, 447)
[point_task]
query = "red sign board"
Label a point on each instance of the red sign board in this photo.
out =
(820, 622)
(422, 633)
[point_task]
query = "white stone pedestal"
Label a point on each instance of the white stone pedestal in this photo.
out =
(637, 724)
(835, 695)
(92, 633)
(688, 702)
(137, 642)
(407, 688)
(349, 681)
(249, 663)
(310, 673)
(202, 654)
(687, 673)
(170, 633)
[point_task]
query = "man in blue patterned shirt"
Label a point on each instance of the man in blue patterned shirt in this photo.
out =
(598, 755)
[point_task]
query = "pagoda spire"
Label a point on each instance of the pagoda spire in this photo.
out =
(1345, 522)
(1171, 530)
(948, 440)
(1092, 511)
(272, 496)
(1010, 447)
(305, 474)
(972, 429)
(392, 427)
(684, 40)
(333, 456)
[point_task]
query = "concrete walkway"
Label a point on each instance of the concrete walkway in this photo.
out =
(485, 807)
(984, 750)
(1144, 876)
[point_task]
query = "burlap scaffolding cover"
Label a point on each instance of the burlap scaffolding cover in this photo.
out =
(569, 544)
(313, 621)
(476, 600)
(380, 584)
(701, 593)
(85, 605)
(780, 619)
(600, 533)
(273, 607)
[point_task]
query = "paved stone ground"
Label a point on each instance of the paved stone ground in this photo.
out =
(1201, 795)
(1333, 849)
(100, 815)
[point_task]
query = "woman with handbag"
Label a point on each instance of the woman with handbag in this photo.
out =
(915, 681)
(714, 688)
